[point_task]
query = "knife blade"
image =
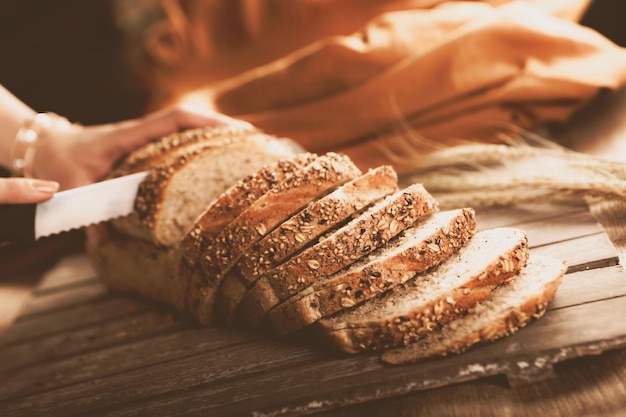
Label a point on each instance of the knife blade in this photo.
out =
(70, 209)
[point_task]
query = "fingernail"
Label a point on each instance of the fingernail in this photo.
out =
(43, 186)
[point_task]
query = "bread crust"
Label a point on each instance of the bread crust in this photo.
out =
(505, 317)
(155, 151)
(404, 326)
(381, 271)
(344, 246)
(235, 200)
(301, 229)
(317, 178)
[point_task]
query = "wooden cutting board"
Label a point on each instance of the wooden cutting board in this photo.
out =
(78, 349)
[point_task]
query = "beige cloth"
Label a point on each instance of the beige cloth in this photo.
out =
(454, 70)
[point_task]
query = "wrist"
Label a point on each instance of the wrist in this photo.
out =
(29, 138)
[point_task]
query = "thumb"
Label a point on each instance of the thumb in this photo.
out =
(26, 190)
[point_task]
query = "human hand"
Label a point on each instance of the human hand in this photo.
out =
(26, 190)
(75, 155)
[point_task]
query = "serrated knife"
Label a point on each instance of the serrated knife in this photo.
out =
(70, 209)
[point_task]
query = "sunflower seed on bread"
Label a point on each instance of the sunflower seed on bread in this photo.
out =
(235, 200)
(507, 309)
(319, 177)
(180, 186)
(431, 240)
(318, 217)
(409, 311)
(341, 248)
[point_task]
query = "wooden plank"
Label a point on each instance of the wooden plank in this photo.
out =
(230, 364)
(182, 388)
(75, 343)
(130, 356)
(157, 368)
(583, 253)
(83, 338)
(184, 346)
(519, 214)
(589, 286)
(36, 327)
(560, 229)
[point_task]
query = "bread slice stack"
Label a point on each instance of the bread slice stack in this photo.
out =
(238, 228)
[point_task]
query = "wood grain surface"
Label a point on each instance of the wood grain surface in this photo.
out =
(79, 349)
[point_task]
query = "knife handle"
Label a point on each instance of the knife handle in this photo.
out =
(17, 222)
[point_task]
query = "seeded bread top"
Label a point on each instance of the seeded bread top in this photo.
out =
(317, 218)
(408, 311)
(508, 308)
(371, 230)
(302, 229)
(155, 151)
(338, 250)
(431, 240)
(235, 200)
(323, 174)
(317, 178)
(166, 204)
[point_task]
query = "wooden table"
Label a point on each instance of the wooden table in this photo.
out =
(78, 349)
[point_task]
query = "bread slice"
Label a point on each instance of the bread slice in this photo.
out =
(317, 178)
(181, 186)
(508, 308)
(430, 241)
(300, 230)
(371, 230)
(128, 264)
(235, 200)
(407, 312)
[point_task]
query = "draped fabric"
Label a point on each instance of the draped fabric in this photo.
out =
(425, 74)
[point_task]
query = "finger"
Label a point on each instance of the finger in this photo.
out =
(26, 190)
(137, 132)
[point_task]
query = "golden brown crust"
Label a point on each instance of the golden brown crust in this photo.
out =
(506, 317)
(179, 188)
(322, 175)
(382, 271)
(152, 153)
(303, 228)
(235, 200)
(404, 327)
(318, 217)
(371, 230)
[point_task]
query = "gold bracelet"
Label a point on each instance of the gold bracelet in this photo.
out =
(30, 136)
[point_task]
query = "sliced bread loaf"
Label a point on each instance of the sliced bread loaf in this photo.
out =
(235, 200)
(407, 312)
(508, 308)
(338, 250)
(181, 186)
(318, 178)
(301, 229)
(431, 240)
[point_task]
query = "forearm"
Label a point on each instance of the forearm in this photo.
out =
(13, 115)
